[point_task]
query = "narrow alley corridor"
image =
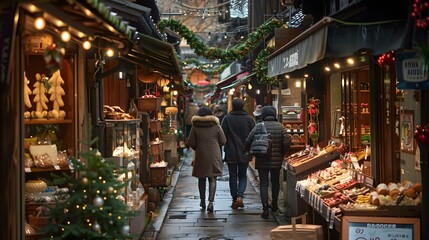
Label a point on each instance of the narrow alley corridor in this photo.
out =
(180, 217)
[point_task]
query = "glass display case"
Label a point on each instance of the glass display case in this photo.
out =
(355, 102)
(123, 143)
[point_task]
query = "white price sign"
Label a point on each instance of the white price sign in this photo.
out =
(380, 228)
(380, 231)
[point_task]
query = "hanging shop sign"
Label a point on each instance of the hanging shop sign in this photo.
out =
(411, 72)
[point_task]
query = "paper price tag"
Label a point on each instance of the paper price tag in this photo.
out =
(57, 167)
(27, 169)
(328, 214)
(318, 204)
(331, 220)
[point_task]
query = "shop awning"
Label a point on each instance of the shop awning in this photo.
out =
(96, 19)
(333, 38)
(240, 79)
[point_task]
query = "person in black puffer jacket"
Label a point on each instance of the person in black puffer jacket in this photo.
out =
(270, 166)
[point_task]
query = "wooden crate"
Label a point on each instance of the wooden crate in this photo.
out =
(157, 148)
(158, 176)
(148, 104)
(155, 126)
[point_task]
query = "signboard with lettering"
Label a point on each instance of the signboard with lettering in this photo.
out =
(380, 228)
(411, 72)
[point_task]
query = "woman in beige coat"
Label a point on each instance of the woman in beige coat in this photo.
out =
(206, 138)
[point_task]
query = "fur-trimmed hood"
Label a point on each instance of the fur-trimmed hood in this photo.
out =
(205, 121)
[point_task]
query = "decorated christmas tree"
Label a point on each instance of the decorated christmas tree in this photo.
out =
(93, 206)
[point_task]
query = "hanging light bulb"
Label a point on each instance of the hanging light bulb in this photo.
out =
(86, 44)
(249, 86)
(65, 35)
(110, 52)
(39, 21)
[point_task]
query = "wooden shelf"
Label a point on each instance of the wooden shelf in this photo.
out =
(364, 91)
(48, 121)
(47, 169)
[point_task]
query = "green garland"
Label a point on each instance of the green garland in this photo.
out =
(260, 66)
(237, 52)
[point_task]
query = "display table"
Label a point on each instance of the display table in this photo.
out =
(294, 205)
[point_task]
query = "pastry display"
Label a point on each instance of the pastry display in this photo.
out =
(115, 112)
(40, 98)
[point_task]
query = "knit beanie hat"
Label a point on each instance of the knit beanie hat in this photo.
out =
(204, 111)
(237, 104)
(268, 111)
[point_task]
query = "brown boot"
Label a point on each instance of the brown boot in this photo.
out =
(240, 202)
(234, 204)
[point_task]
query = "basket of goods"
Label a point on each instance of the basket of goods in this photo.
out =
(157, 147)
(155, 126)
(41, 219)
(148, 102)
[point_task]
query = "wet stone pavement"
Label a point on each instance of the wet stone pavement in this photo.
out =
(179, 215)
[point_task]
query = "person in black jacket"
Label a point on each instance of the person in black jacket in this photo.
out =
(237, 125)
(269, 167)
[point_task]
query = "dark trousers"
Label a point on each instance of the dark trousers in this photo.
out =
(237, 179)
(265, 175)
(202, 188)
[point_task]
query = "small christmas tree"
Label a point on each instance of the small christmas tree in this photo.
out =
(93, 207)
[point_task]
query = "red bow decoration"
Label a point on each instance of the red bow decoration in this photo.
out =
(421, 134)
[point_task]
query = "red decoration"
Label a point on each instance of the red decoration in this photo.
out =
(420, 13)
(387, 58)
(421, 134)
(313, 112)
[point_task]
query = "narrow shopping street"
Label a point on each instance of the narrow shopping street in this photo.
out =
(179, 215)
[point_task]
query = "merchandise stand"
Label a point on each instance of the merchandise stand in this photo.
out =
(295, 206)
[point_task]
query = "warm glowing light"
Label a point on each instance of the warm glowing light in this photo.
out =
(39, 23)
(110, 52)
(350, 61)
(98, 191)
(298, 83)
(231, 91)
(306, 75)
(249, 86)
(174, 93)
(166, 89)
(86, 45)
(287, 76)
(258, 91)
(337, 65)
(328, 69)
(65, 36)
